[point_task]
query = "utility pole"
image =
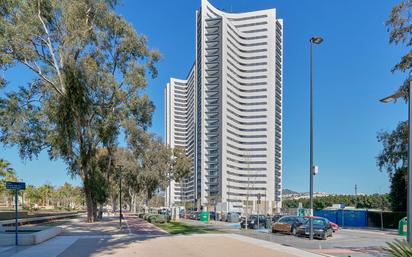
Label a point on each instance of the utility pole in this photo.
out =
(356, 195)
(382, 207)
(228, 194)
(247, 196)
(313, 40)
(248, 185)
(258, 205)
(120, 198)
(170, 189)
(172, 158)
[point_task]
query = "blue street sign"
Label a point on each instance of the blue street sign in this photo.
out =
(15, 185)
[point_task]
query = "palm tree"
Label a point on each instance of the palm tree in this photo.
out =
(6, 174)
(46, 192)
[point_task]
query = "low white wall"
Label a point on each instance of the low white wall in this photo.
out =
(29, 239)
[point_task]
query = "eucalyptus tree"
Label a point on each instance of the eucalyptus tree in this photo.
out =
(393, 158)
(90, 68)
(125, 170)
(153, 159)
(181, 165)
(157, 163)
(180, 169)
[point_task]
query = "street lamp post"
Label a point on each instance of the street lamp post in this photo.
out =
(172, 160)
(317, 41)
(248, 185)
(120, 201)
(388, 99)
(170, 189)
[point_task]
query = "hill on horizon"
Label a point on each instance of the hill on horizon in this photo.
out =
(289, 192)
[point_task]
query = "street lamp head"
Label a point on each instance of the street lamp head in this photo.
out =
(392, 98)
(316, 40)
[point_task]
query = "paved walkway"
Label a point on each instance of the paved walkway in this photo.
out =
(200, 245)
(107, 226)
(140, 238)
(140, 227)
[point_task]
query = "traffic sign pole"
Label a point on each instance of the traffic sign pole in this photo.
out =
(17, 216)
(258, 205)
(16, 186)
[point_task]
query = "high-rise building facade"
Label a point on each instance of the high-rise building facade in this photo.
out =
(180, 131)
(232, 111)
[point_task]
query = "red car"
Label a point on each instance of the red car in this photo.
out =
(335, 227)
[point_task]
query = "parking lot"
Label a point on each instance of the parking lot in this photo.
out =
(344, 243)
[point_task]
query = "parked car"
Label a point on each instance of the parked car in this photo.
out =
(232, 217)
(252, 222)
(194, 215)
(335, 227)
(164, 211)
(276, 217)
(288, 224)
(321, 228)
(189, 214)
(181, 213)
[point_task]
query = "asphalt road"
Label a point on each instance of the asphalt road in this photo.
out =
(344, 243)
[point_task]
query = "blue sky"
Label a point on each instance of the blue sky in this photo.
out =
(352, 72)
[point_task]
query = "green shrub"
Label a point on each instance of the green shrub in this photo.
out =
(400, 248)
(150, 217)
(146, 216)
(157, 218)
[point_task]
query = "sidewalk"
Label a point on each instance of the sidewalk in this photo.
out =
(198, 245)
(140, 238)
(107, 226)
(73, 230)
(140, 227)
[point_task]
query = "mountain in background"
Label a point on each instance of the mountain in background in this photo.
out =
(289, 192)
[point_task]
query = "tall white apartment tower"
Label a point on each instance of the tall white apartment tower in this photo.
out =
(180, 131)
(237, 114)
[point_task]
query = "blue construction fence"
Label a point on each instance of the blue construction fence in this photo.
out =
(345, 218)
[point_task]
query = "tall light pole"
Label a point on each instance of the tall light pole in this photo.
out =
(172, 160)
(388, 99)
(248, 185)
(317, 41)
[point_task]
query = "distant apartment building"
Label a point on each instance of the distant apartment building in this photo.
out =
(227, 113)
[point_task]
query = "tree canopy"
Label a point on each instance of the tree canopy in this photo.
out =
(375, 201)
(6, 174)
(90, 70)
(394, 156)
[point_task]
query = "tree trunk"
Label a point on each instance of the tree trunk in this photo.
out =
(134, 201)
(89, 200)
(114, 204)
(94, 211)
